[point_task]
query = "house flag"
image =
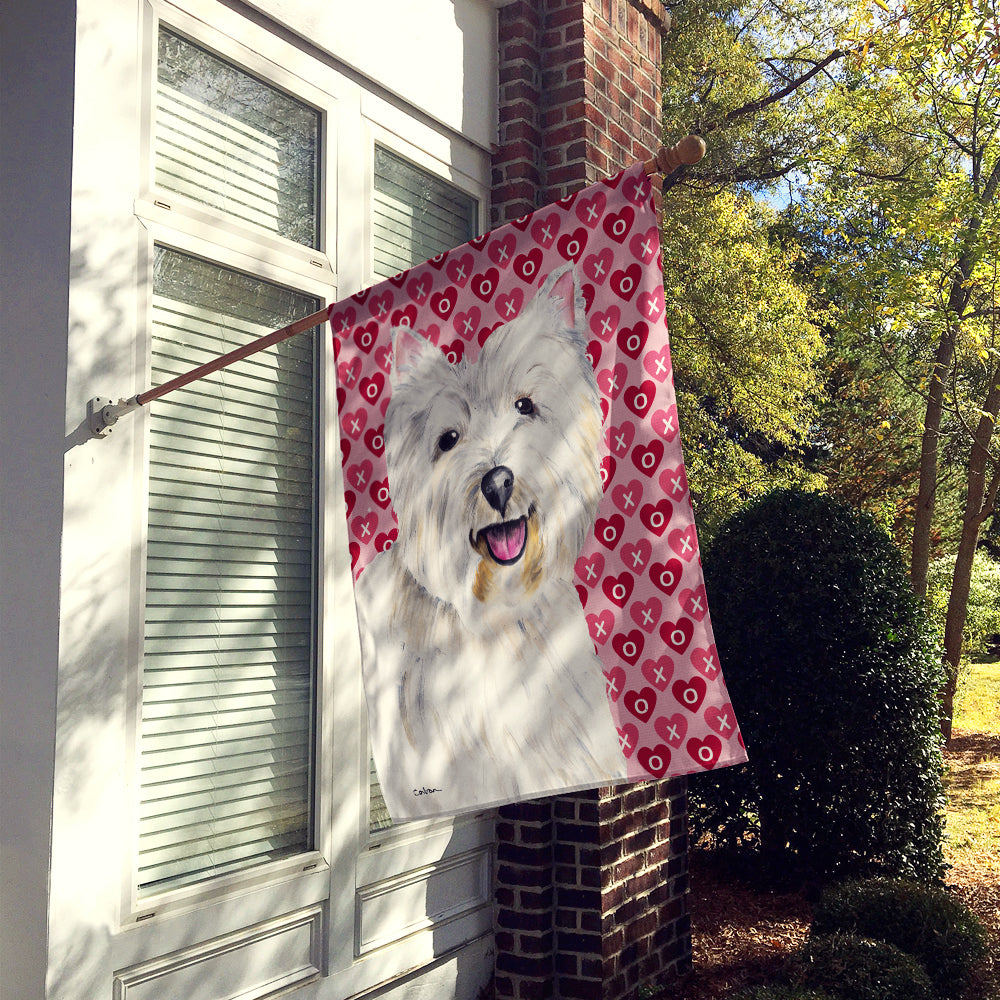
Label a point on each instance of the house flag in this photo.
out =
(529, 592)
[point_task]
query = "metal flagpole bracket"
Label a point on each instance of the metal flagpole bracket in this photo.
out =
(103, 413)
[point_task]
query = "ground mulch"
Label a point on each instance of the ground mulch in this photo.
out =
(743, 934)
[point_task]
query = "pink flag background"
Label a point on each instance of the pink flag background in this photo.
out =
(639, 575)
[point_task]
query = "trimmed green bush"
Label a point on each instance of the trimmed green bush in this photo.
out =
(925, 922)
(856, 968)
(834, 672)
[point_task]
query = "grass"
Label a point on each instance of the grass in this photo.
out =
(973, 782)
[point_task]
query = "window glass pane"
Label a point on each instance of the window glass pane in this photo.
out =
(228, 678)
(231, 141)
(416, 216)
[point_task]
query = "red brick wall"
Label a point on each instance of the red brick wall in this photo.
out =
(579, 96)
(591, 889)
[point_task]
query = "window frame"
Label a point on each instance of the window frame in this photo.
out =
(348, 864)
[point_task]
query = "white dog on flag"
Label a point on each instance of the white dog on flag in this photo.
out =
(482, 680)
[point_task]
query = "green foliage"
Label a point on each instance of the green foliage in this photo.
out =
(924, 921)
(834, 672)
(856, 968)
(747, 357)
(983, 612)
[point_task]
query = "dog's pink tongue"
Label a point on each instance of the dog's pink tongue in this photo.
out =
(506, 541)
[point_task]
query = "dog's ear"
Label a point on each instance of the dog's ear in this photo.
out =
(562, 294)
(408, 348)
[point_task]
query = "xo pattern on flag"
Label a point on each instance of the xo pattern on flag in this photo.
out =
(637, 574)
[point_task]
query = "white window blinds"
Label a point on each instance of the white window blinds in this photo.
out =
(416, 215)
(230, 141)
(228, 657)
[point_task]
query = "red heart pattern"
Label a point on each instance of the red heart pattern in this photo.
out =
(638, 575)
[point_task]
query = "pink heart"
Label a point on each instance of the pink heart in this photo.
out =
(590, 210)
(600, 626)
(657, 363)
(674, 482)
(363, 528)
(646, 614)
(635, 556)
(637, 188)
(354, 423)
(706, 661)
(614, 682)
(508, 306)
(605, 324)
(665, 423)
(342, 320)
(695, 602)
(645, 245)
(466, 323)
(383, 358)
(721, 720)
(651, 305)
(459, 269)
(628, 737)
(349, 372)
(597, 266)
(627, 498)
(684, 542)
(673, 730)
(658, 672)
(590, 570)
(380, 305)
(419, 288)
(620, 438)
(612, 381)
(544, 231)
(501, 251)
(360, 475)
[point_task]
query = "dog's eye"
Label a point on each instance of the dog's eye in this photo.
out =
(448, 440)
(524, 406)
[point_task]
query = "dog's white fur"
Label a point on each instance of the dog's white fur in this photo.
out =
(482, 680)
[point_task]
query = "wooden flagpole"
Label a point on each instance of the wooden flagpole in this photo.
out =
(102, 414)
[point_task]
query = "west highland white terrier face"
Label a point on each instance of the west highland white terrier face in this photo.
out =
(494, 465)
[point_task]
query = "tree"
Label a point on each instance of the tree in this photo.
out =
(914, 186)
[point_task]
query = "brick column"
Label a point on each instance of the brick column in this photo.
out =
(591, 889)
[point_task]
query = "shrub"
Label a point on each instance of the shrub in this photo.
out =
(834, 673)
(925, 922)
(782, 993)
(856, 968)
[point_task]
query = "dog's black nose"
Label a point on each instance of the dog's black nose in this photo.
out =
(497, 486)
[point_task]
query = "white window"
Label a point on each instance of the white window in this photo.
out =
(276, 184)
